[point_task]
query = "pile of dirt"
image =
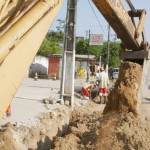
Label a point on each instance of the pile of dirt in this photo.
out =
(40, 137)
(122, 127)
(82, 130)
(123, 132)
(119, 127)
(125, 96)
(89, 129)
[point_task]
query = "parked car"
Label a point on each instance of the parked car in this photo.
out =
(115, 73)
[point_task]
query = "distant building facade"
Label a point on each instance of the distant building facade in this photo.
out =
(81, 61)
(47, 67)
(39, 66)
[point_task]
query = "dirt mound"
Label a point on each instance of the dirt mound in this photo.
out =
(119, 128)
(39, 137)
(90, 130)
(125, 97)
(123, 132)
(82, 130)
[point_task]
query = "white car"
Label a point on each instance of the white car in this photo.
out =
(115, 73)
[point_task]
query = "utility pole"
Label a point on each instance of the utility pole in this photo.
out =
(68, 61)
(100, 64)
(107, 60)
(88, 46)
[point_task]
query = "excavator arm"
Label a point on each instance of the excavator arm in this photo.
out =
(123, 23)
(23, 26)
(134, 46)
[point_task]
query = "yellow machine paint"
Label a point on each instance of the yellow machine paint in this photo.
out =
(129, 27)
(20, 41)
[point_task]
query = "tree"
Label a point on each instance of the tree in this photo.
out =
(95, 50)
(49, 47)
(61, 25)
(52, 43)
(114, 48)
(83, 47)
(55, 36)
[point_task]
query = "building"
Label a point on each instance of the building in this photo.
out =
(51, 66)
(55, 63)
(40, 66)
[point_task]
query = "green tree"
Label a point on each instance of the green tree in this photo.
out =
(55, 36)
(83, 47)
(53, 41)
(95, 50)
(49, 47)
(114, 48)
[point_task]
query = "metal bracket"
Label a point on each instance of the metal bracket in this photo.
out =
(135, 54)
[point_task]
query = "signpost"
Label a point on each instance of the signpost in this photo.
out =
(96, 39)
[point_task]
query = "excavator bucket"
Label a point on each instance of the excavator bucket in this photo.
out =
(23, 26)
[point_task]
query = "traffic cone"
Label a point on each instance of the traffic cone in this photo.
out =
(8, 111)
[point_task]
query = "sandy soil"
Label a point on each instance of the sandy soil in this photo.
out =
(88, 127)
(125, 96)
(83, 128)
(36, 137)
(119, 127)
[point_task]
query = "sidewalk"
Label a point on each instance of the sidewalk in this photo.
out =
(28, 101)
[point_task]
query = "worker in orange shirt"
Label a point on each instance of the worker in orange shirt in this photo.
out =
(86, 90)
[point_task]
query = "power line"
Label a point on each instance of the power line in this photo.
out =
(97, 18)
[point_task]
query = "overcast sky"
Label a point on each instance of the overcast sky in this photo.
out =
(86, 19)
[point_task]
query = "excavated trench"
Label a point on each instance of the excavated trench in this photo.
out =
(39, 136)
(61, 129)
(119, 127)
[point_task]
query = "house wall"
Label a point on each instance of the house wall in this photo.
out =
(54, 67)
(39, 65)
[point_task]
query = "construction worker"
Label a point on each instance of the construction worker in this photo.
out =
(8, 111)
(86, 90)
(103, 85)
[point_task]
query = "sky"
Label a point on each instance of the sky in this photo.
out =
(86, 19)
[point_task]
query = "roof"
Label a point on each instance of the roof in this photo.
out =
(55, 55)
(86, 56)
(76, 56)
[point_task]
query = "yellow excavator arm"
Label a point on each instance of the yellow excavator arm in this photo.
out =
(23, 26)
(134, 46)
(123, 22)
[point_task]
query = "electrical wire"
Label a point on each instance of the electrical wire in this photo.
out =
(97, 18)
